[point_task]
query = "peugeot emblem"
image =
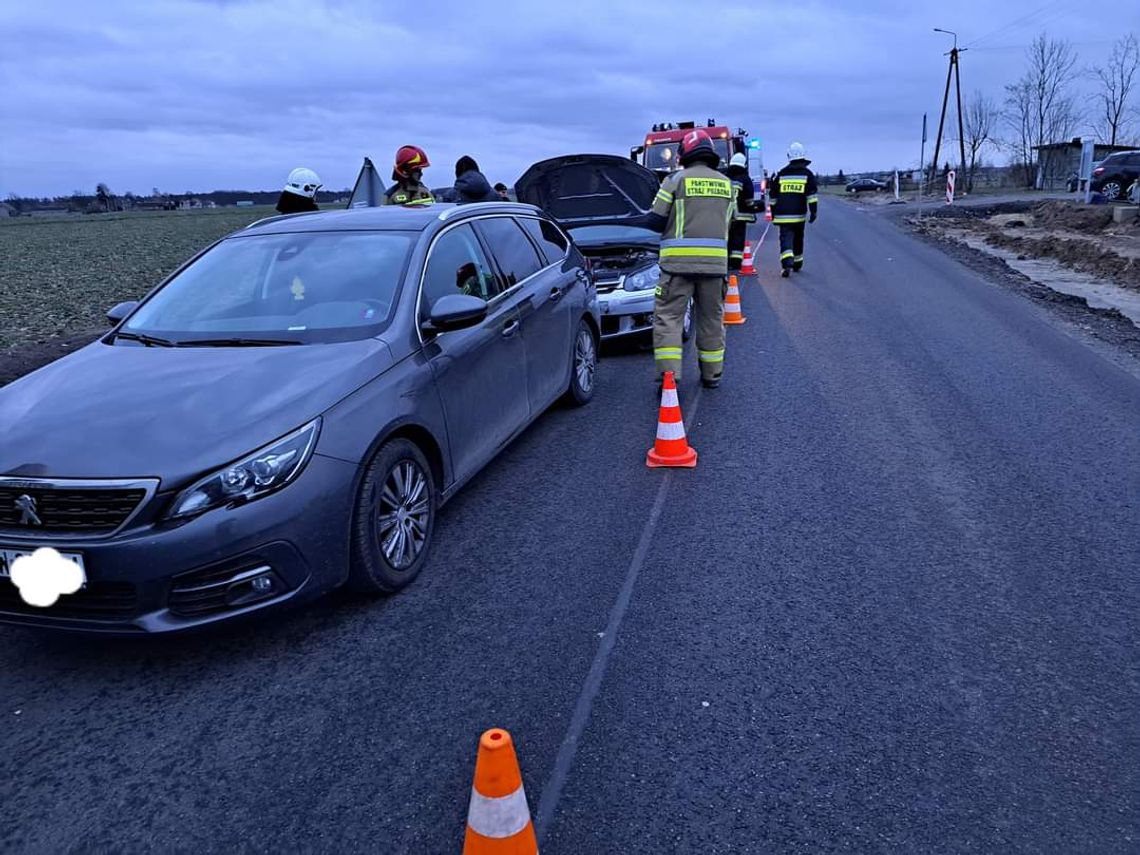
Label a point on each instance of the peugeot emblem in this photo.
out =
(26, 505)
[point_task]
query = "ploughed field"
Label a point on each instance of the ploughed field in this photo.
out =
(60, 274)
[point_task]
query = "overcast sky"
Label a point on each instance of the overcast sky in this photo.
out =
(188, 95)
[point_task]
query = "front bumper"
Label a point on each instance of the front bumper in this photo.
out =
(158, 577)
(625, 312)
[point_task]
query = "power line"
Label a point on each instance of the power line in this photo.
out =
(1047, 11)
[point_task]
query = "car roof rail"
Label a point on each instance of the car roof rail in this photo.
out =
(475, 207)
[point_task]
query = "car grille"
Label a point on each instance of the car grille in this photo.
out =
(98, 601)
(67, 510)
(206, 592)
(604, 286)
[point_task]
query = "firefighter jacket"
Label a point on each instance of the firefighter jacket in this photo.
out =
(743, 213)
(408, 193)
(793, 193)
(696, 205)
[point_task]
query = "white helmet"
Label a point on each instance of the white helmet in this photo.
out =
(739, 159)
(303, 182)
(796, 151)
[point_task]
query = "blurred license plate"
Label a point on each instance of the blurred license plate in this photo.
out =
(8, 558)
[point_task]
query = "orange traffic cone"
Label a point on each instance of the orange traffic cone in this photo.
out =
(746, 268)
(498, 820)
(732, 312)
(671, 447)
(768, 215)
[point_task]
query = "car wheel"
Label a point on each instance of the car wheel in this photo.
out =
(1111, 190)
(583, 366)
(393, 520)
(687, 325)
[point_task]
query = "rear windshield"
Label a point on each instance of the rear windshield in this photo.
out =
(307, 288)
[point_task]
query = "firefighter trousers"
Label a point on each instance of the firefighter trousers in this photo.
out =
(673, 293)
(792, 245)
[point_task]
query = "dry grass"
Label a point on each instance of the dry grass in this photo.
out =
(59, 275)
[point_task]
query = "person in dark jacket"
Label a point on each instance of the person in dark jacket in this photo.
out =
(794, 196)
(470, 184)
(504, 194)
(744, 212)
(300, 192)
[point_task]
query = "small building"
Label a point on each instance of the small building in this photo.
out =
(1057, 163)
(7, 210)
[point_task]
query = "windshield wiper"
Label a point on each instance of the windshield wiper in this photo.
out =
(236, 342)
(148, 340)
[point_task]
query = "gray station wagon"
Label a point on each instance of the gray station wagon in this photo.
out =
(287, 411)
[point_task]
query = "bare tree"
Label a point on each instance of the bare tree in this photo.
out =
(1039, 109)
(980, 119)
(1115, 81)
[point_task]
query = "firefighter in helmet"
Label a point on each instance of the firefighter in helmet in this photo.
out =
(408, 174)
(744, 213)
(794, 197)
(300, 192)
(692, 210)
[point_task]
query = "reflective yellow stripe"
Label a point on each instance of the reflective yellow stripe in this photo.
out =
(667, 352)
(679, 217)
(736, 255)
(693, 252)
(426, 201)
(812, 199)
(786, 220)
(718, 187)
(710, 355)
(664, 196)
(785, 255)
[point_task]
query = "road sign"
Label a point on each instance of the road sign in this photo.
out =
(950, 176)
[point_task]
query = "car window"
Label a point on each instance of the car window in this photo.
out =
(549, 238)
(457, 265)
(317, 287)
(514, 252)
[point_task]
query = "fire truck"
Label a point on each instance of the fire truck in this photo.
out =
(659, 152)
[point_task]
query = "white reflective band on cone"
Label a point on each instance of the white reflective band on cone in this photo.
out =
(505, 816)
(669, 398)
(670, 430)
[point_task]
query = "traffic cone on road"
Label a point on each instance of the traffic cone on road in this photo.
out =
(768, 215)
(732, 311)
(498, 819)
(671, 448)
(746, 267)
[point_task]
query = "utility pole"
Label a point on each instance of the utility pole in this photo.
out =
(951, 72)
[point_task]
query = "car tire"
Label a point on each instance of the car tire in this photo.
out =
(583, 366)
(687, 325)
(1111, 190)
(398, 478)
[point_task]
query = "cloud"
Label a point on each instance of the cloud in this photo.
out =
(208, 95)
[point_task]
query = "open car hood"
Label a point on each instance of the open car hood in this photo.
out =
(590, 189)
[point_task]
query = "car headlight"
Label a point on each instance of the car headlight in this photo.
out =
(260, 473)
(643, 280)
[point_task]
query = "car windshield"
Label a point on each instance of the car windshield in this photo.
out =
(612, 234)
(664, 155)
(296, 288)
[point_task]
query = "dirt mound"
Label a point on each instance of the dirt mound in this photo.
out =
(1072, 216)
(1079, 254)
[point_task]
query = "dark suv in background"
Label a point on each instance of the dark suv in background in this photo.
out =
(1115, 174)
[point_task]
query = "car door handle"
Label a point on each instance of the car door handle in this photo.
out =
(556, 294)
(511, 328)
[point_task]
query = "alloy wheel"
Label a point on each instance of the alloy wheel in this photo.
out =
(402, 514)
(585, 360)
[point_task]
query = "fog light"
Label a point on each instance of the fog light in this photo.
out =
(254, 588)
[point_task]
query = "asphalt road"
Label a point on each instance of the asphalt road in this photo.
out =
(894, 609)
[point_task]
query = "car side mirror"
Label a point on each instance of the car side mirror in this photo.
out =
(635, 151)
(456, 312)
(116, 313)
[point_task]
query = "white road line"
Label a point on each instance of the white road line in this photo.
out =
(552, 792)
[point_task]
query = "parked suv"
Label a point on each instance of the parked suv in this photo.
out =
(1115, 174)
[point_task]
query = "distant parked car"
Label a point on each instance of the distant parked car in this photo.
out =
(1114, 175)
(866, 185)
(287, 412)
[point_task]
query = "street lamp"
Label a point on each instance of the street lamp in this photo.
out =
(949, 33)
